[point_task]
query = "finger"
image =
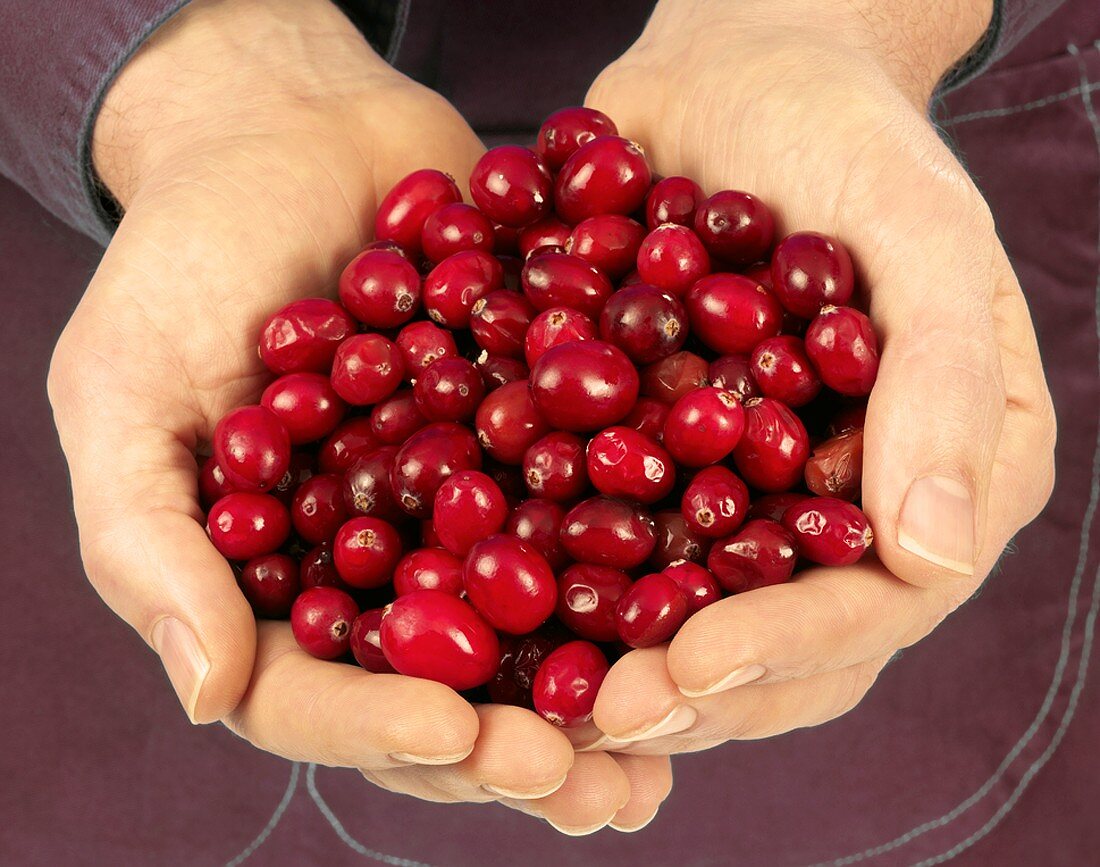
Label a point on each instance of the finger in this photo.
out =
(311, 710)
(650, 785)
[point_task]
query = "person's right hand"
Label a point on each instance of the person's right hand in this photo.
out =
(249, 143)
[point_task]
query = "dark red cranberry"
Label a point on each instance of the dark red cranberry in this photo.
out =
(849, 418)
(608, 532)
(451, 389)
(307, 405)
(676, 541)
(673, 200)
(387, 245)
(318, 508)
(457, 283)
(496, 370)
(547, 232)
(698, 587)
(761, 272)
(829, 531)
(509, 478)
(835, 466)
(648, 417)
(715, 502)
(774, 447)
(365, 552)
(407, 206)
(396, 418)
(731, 314)
(509, 584)
(421, 343)
(252, 447)
(303, 336)
(352, 439)
(587, 596)
(782, 369)
(381, 289)
(672, 258)
(608, 242)
(671, 378)
(454, 228)
(469, 507)
(508, 423)
(520, 658)
(318, 570)
(809, 271)
(735, 227)
(554, 327)
(584, 385)
(367, 368)
(321, 621)
(300, 470)
(567, 129)
(842, 345)
(624, 463)
(366, 642)
(772, 506)
(703, 427)
(429, 458)
(554, 467)
(560, 280)
(567, 682)
(538, 522)
(499, 322)
(428, 569)
(761, 553)
(734, 373)
(243, 525)
(511, 185)
(270, 584)
(645, 322)
(608, 175)
(368, 485)
(651, 611)
(507, 241)
(213, 484)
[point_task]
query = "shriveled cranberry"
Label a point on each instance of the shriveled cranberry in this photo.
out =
(270, 584)
(496, 370)
(508, 423)
(731, 313)
(511, 185)
(213, 485)
(673, 199)
(252, 447)
(676, 540)
(451, 389)
(671, 378)
(648, 417)
(499, 322)
(520, 658)
(547, 232)
(509, 584)
(352, 439)
(651, 611)
(365, 552)
(850, 418)
(715, 502)
(318, 509)
(409, 203)
(367, 368)
(395, 419)
(829, 531)
(368, 485)
(672, 258)
(457, 283)
(584, 385)
(761, 553)
(735, 227)
(567, 129)
(587, 596)
(734, 373)
(302, 336)
(698, 587)
(381, 289)
(428, 569)
(560, 280)
(703, 427)
(608, 532)
(567, 682)
(772, 506)
(554, 327)
(608, 175)
(774, 447)
(307, 405)
(810, 270)
(318, 570)
(782, 369)
(437, 636)
(554, 467)
(835, 466)
(609, 242)
(842, 345)
(421, 343)
(645, 322)
(469, 507)
(366, 642)
(624, 463)
(428, 458)
(321, 621)
(454, 228)
(538, 522)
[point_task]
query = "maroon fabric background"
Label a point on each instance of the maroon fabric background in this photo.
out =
(983, 738)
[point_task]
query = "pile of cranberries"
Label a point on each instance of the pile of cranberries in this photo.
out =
(542, 429)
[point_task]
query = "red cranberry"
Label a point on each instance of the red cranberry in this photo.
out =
(508, 423)
(368, 368)
(427, 460)
(321, 621)
(469, 507)
(587, 596)
(835, 466)
(676, 541)
(829, 531)
(554, 327)
(454, 228)
(511, 185)
(509, 584)
(645, 322)
(520, 658)
(734, 373)
(673, 200)
(451, 389)
(244, 525)
(407, 206)
(672, 258)
(671, 378)
(772, 506)
(561, 280)
(608, 532)
(735, 227)
(368, 489)
(809, 271)
(731, 314)
(842, 345)
(554, 467)
(365, 552)
(499, 322)
(455, 285)
(698, 587)
(715, 502)
(584, 385)
(567, 129)
(396, 418)
(547, 232)
(608, 242)
(303, 336)
(761, 272)
(436, 636)
(651, 611)
(648, 417)
(538, 522)
(703, 427)
(496, 370)
(782, 369)
(421, 343)
(252, 447)
(624, 463)
(608, 175)
(774, 447)
(318, 570)
(366, 642)
(381, 289)
(761, 553)
(307, 405)
(350, 441)
(565, 687)
(270, 584)
(318, 508)
(213, 484)
(428, 569)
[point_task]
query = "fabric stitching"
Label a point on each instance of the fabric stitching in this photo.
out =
(276, 817)
(1026, 106)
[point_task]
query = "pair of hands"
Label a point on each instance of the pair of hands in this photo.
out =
(250, 143)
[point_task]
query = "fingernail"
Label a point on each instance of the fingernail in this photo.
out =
(524, 796)
(183, 659)
(575, 832)
(678, 719)
(737, 677)
(937, 523)
(413, 759)
(606, 742)
(630, 829)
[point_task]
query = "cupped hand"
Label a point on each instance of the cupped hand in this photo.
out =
(821, 112)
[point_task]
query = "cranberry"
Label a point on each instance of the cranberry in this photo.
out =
(761, 272)
(774, 447)
(454, 228)
(499, 322)
(496, 370)
(243, 525)
(554, 467)
(428, 458)
(698, 587)
(671, 378)
(761, 553)
(809, 271)
(421, 343)
(321, 621)
(703, 427)
(367, 368)
(307, 405)
(608, 242)
(645, 322)
(672, 258)
(587, 596)
(303, 336)
(554, 327)
(849, 418)
(560, 280)
(829, 531)
(782, 369)
(270, 584)
(365, 552)
(673, 200)
(648, 417)
(735, 227)
(608, 175)
(538, 523)
(301, 468)
(318, 508)
(368, 489)
(624, 463)
(318, 570)
(608, 532)
(835, 466)
(407, 206)
(511, 185)
(508, 423)
(380, 288)
(715, 502)
(676, 540)
(772, 506)
(396, 418)
(506, 244)
(567, 682)
(509, 584)
(730, 313)
(457, 283)
(469, 507)
(345, 445)
(584, 385)
(213, 484)
(366, 642)
(520, 658)
(567, 129)
(428, 569)
(651, 611)
(547, 232)
(252, 447)
(435, 635)
(842, 345)
(451, 389)
(734, 373)
(509, 478)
